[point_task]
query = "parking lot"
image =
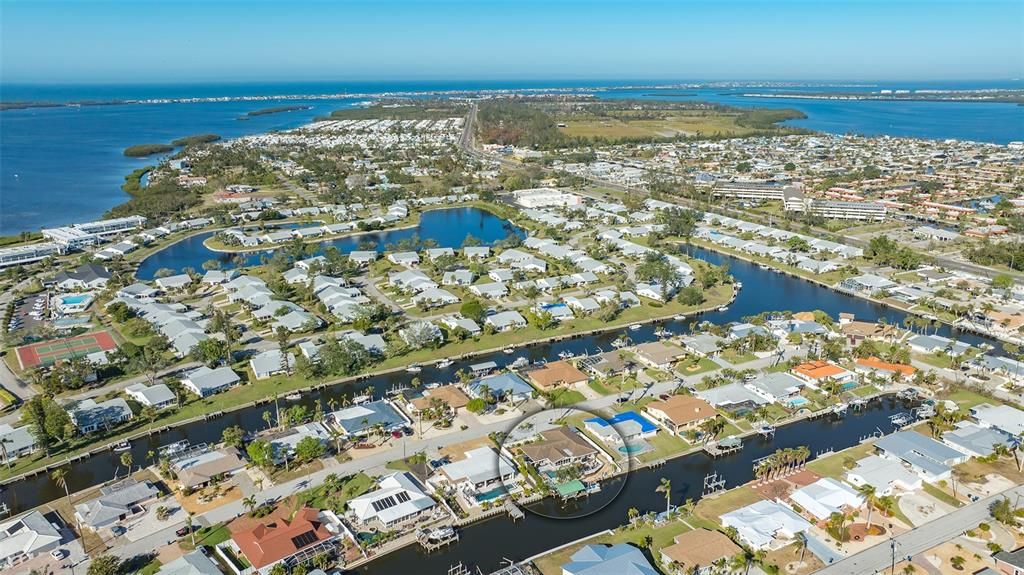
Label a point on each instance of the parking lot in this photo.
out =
(29, 312)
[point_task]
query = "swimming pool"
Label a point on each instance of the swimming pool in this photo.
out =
(798, 401)
(495, 493)
(75, 299)
(634, 448)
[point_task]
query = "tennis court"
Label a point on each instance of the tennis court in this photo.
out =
(46, 353)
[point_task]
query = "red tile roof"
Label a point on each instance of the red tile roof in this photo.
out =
(277, 538)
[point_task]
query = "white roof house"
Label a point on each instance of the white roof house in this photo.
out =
(825, 497)
(269, 363)
(194, 563)
(765, 524)
(26, 536)
(397, 498)
(886, 475)
(1003, 417)
(158, 396)
(930, 459)
(481, 467)
(205, 381)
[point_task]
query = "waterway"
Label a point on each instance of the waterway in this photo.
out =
(447, 227)
(763, 291)
(485, 545)
(65, 164)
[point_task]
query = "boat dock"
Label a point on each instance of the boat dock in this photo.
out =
(433, 544)
(724, 447)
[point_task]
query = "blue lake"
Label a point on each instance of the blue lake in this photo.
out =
(447, 227)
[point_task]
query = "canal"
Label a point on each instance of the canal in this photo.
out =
(487, 544)
(763, 290)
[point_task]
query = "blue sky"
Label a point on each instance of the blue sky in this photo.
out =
(165, 41)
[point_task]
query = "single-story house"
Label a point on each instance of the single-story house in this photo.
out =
(619, 559)
(886, 475)
(976, 441)
(198, 469)
(557, 448)
(699, 550)
(479, 471)
(157, 395)
(90, 416)
(15, 442)
(506, 320)
(361, 420)
(504, 386)
(25, 537)
(825, 497)
(397, 499)
(205, 382)
(270, 363)
(657, 354)
(679, 413)
(115, 503)
(556, 373)
(931, 460)
(765, 524)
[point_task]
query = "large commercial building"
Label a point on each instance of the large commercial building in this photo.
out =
(19, 255)
(77, 236)
(545, 198)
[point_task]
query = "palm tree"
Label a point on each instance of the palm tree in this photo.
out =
(266, 418)
(250, 503)
(633, 513)
(126, 460)
(3, 451)
(871, 500)
(801, 544)
(188, 525)
(666, 488)
(60, 477)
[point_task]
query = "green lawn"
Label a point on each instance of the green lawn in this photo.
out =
(208, 536)
(834, 465)
(712, 508)
(968, 399)
(151, 568)
(353, 487)
(734, 358)
(566, 397)
(703, 365)
(665, 445)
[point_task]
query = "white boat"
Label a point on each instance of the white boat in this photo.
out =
(566, 354)
(440, 533)
(724, 308)
(739, 285)
(432, 385)
(519, 363)
(359, 399)
(679, 317)
(509, 350)
(444, 363)
(414, 368)
(635, 326)
(293, 397)
(764, 266)
(618, 343)
(122, 446)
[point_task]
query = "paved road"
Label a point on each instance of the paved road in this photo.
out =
(467, 143)
(879, 558)
(401, 449)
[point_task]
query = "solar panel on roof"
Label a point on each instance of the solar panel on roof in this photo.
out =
(304, 539)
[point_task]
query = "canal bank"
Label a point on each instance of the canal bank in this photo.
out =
(488, 544)
(763, 291)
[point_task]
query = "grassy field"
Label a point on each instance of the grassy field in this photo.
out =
(711, 508)
(834, 466)
(968, 399)
(665, 445)
(679, 123)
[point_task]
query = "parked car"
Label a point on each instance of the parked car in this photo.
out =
(58, 554)
(185, 530)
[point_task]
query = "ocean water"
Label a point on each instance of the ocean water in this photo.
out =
(64, 165)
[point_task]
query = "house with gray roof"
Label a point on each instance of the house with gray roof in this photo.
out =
(478, 472)
(435, 297)
(505, 320)
(931, 460)
(175, 282)
(619, 559)
(297, 320)
(504, 386)
(205, 382)
(270, 363)
(115, 503)
(933, 343)
(734, 397)
(363, 256)
(461, 277)
(476, 252)
(493, 290)
(454, 322)
(371, 342)
(888, 476)
(85, 276)
(26, 536)
(703, 344)
(976, 441)
(158, 395)
(15, 442)
(361, 420)
(194, 563)
(89, 416)
(782, 388)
